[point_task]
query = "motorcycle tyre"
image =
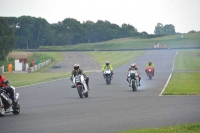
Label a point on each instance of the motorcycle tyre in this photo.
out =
(134, 86)
(80, 91)
(86, 94)
(2, 112)
(16, 110)
(107, 80)
(150, 76)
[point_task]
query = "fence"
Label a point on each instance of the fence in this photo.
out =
(2, 69)
(40, 65)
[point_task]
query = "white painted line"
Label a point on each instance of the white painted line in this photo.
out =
(169, 76)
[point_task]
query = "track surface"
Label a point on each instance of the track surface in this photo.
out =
(54, 107)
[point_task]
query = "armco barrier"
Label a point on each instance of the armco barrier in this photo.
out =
(40, 65)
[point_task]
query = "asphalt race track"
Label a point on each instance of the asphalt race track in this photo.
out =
(54, 107)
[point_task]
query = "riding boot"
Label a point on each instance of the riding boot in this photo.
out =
(87, 82)
(88, 87)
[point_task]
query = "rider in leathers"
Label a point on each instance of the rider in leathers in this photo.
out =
(77, 71)
(133, 67)
(150, 64)
(4, 83)
(107, 65)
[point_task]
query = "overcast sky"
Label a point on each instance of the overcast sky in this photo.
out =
(142, 14)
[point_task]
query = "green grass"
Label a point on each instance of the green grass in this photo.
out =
(188, 60)
(22, 79)
(185, 83)
(116, 58)
(189, 40)
(182, 128)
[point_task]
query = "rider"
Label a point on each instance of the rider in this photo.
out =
(4, 83)
(107, 65)
(151, 65)
(133, 67)
(77, 71)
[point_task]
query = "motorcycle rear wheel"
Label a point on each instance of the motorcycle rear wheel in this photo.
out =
(150, 75)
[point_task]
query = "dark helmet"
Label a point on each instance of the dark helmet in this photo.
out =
(107, 63)
(133, 65)
(76, 66)
(150, 62)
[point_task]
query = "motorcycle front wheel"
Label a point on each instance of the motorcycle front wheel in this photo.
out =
(2, 112)
(16, 109)
(80, 91)
(134, 86)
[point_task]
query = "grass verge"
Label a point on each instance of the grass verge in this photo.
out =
(185, 83)
(22, 79)
(182, 128)
(116, 58)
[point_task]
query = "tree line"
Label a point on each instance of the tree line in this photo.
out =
(31, 32)
(27, 32)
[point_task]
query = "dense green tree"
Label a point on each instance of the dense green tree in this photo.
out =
(169, 29)
(159, 29)
(7, 38)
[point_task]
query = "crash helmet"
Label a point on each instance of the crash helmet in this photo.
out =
(133, 65)
(76, 66)
(150, 62)
(107, 63)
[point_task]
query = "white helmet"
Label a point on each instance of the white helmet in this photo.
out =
(107, 63)
(76, 66)
(133, 65)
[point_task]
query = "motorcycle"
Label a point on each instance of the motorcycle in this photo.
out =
(150, 72)
(81, 86)
(7, 105)
(133, 77)
(107, 76)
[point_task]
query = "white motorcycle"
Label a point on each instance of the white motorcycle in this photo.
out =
(107, 76)
(81, 86)
(133, 77)
(6, 104)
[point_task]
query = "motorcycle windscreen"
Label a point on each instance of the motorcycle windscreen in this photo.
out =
(132, 75)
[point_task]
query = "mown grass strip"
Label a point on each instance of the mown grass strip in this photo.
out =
(116, 58)
(183, 84)
(188, 60)
(22, 79)
(182, 128)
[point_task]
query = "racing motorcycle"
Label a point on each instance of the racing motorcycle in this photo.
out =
(150, 72)
(7, 105)
(133, 77)
(81, 86)
(107, 76)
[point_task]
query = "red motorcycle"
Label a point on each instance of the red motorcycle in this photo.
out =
(150, 72)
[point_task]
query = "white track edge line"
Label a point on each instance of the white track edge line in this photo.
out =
(169, 76)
